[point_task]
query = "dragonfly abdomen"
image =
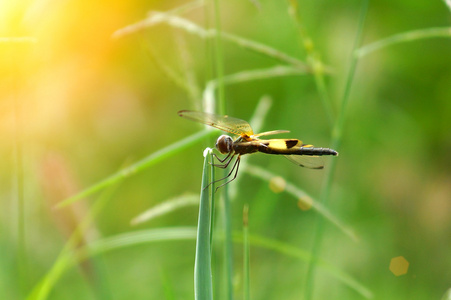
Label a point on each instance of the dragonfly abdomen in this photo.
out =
(315, 151)
(292, 147)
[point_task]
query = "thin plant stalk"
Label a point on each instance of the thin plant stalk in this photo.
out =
(165, 208)
(336, 141)
(178, 234)
(228, 244)
(219, 59)
(192, 90)
(246, 254)
(410, 36)
(304, 198)
(300, 254)
(139, 166)
(168, 286)
(67, 255)
(190, 27)
(314, 61)
(221, 109)
(251, 75)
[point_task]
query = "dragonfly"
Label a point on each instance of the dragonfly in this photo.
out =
(248, 142)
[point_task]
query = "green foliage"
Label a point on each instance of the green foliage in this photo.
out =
(81, 104)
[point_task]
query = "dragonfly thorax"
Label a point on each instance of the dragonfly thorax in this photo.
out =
(224, 144)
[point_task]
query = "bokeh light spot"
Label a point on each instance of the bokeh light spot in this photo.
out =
(399, 265)
(277, 184)
(305, 203)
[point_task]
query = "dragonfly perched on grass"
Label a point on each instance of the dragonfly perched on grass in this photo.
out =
(301, 154)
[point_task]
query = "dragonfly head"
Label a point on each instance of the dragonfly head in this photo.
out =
(224, 144)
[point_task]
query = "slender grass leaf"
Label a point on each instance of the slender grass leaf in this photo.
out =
(166, 207)
(190, 27)
(219, 59)
(213, 203)
(168, 286)
(314, 61)
(296, 252)
(246, 254)
(184, 83)
(250, 75)
(203, 283)
(228, 243)
(66, 257)
(304, 198)
(131, 239)
(410, 36)
(336, 141)
(139, 166)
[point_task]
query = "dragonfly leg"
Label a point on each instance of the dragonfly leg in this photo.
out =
(222, 160)
(237, 165)
(225, 163)
(228, 175)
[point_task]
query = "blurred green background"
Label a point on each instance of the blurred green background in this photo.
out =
(77, 106)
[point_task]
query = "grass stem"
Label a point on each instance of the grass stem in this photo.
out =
(246, 254)
(336, 141)
(410, 36)
(139, 166)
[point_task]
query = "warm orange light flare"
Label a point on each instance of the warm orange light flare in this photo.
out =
(59, 63)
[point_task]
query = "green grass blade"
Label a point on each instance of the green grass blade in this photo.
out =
(134, 238)
(203, 284)
(190, 27)
(168, 286)
(131, 239)
(304, 198)
(410, 36)
(42, 290)
(66, 258)
(336, 141)
(182, 82)
(165, 207)
(246, 254)
(265, 50)
(250, 75)
(296, 252)
(213, 202)
(314, 61)
(139, 166)
(228, 243)
(219, 59)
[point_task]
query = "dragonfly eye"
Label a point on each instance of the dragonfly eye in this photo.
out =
(224, 144)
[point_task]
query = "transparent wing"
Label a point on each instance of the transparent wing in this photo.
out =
(271, 132)
(311, 162)
(224, 123)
